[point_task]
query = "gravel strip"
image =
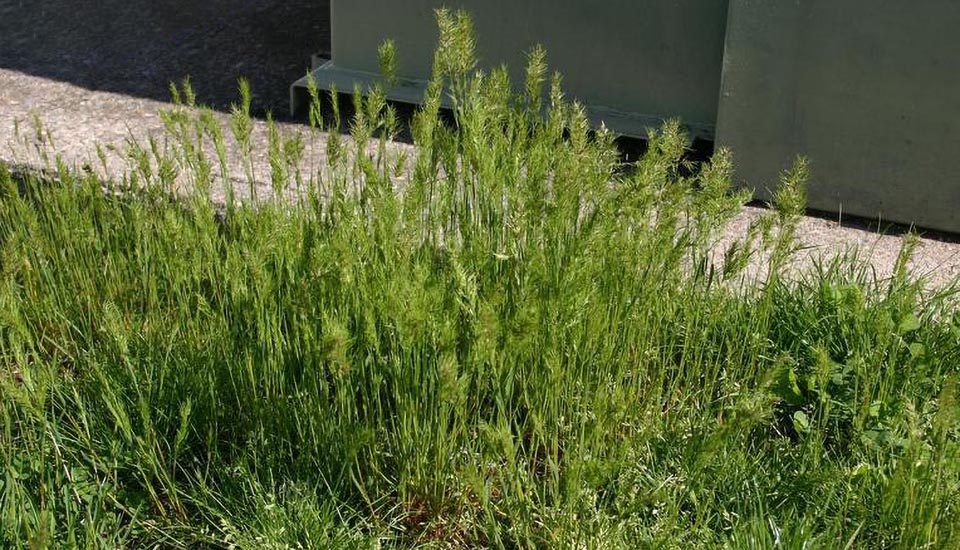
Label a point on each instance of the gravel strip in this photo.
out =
(77, 119)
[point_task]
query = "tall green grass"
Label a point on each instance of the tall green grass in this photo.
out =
(502, 340)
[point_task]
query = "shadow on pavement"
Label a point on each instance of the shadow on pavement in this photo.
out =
(137, 47)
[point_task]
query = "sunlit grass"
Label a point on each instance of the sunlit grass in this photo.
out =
(505, 340)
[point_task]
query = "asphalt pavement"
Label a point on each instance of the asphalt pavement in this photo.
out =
(137, 47)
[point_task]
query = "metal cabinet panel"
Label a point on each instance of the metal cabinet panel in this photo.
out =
(632, 62)
(868, 91)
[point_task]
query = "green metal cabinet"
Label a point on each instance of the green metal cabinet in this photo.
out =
(869, 91)
(631, 62)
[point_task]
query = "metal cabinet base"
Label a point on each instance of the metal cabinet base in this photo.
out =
(328, 76)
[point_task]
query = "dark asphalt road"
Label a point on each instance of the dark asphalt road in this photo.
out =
(137, 47)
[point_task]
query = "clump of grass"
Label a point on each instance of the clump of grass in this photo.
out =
(507, 341)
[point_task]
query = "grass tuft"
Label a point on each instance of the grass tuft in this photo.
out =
(507, 340)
